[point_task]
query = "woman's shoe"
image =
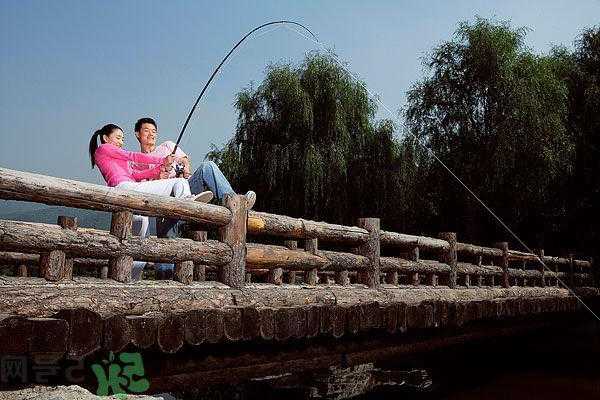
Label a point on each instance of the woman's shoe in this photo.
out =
(203, 197)
(250, 199)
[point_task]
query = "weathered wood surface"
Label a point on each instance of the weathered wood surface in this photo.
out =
(370, 249)
(17, 185)
(408, 266)
(405, 241)
(68, 330)
(36, 297)
(503, 262)
(449, 256)
(91, 243)
(472, 269)
(53, 266)
(16, 258)
(184, 272)
(474, 250)
(261, 256)
(261, 223)
(233, 234)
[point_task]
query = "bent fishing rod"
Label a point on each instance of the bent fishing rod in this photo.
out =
(221, 64)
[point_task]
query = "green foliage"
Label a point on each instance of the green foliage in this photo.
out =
(522, 130)
(308, 142)
(495, 114)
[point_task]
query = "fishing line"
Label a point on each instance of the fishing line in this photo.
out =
(431, 152)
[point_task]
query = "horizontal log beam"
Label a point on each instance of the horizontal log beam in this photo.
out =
(262, 256)
(472, 269)
(16, 258)
(17, 185)
(261, 223)
(410, 241)
(92, 243)
(408, 266)
(473, 250)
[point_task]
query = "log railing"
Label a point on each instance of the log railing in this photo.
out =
(309, 251)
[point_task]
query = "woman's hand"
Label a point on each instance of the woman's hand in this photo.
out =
(168, 162)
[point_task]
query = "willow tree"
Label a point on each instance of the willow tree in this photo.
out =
(495, 113)
(308, 142)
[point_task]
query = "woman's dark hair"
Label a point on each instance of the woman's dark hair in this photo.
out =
(105, 130)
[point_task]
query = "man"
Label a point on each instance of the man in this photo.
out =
(207, 176)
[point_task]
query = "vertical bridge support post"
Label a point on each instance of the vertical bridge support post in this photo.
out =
(414, 256)
(571, 271)
(234, 234)
(69, 223)
(54, 265)
(199, 269)
(540, 267)
(504, 262)
(119, 267)
(371, 250)
(312, 246)
(291, 275)
(449, 256)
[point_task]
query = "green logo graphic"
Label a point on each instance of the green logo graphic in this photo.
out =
(121, 376)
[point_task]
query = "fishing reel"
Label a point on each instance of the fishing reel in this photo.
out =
(179, 170)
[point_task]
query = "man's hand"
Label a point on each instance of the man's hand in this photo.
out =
(187, 167)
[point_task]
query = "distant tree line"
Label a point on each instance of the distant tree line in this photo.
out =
(521, 130)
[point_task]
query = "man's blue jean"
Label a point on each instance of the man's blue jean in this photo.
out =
(207, 176)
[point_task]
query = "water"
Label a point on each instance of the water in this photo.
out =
(548, 364)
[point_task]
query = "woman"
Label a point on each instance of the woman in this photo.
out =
(113, 163)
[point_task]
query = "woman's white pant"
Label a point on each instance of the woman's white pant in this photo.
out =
(177, 187)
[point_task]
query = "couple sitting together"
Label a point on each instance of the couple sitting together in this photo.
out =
(155, 170)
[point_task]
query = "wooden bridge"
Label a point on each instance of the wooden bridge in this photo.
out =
(298, 281)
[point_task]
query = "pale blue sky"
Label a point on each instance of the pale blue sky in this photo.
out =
(68, 67)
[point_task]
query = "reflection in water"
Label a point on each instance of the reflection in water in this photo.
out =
(545, 365)
(334, 383)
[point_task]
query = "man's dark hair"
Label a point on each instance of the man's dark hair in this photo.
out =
(141, 121)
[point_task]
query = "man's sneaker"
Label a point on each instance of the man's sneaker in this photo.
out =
(250, 199)
(203, 197)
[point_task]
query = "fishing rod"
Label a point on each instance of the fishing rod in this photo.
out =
(221, 64)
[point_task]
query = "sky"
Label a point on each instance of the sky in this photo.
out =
(69, 67)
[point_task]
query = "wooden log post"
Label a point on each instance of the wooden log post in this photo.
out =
(371, 250)
(571, 271)
(184, 272)
(311, 276)
(540, 253)
(467, 280)
(594, 272)
(449, 256)
(392, 277)
(292, 245)
(275, 276)
(119, 268)
(414, 256)
(199, 269)
(234, 234)
(478, 262)
(69, 223)
(504, 263)
(52, 265)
